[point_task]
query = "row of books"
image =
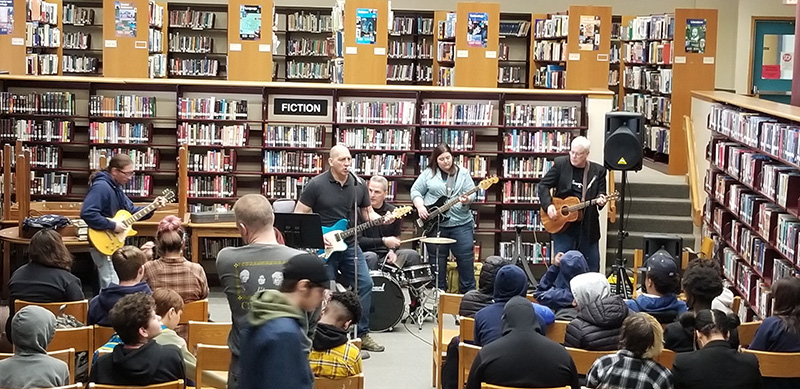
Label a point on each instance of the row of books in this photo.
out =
(510, 75)
(41, 64)
(649, 27)
(379, 164)
(309, 22)
(196, 20)
(202, 134)
(550, 77)
(402, 25)
(526, 167)
(537, 141)
(535, 253)
(742, 275)
(294, 136)
(212, 108)
(33, 130)
(182, 43)
(648, 79)
(193, 67)
(77, 40)
(447, 28)
(212, 186)
(550, 51)
(307, 70)
(520, 192)
(656, 109)
(157, 66)
(308, 47)
(527, 219)
(216, 207)
(38, 103)
(211, 247)
(446, 52)
(77, 16)
(218, 161)
(409, 72)
(119, 132)
(615, 55)
(282, 161)
(502, 51)
(284, 187)
(555, 26)
(656, 139)
(45, 156)
(155, 14)
(143, 159)
(476, 165)
(652, 53)
(367, 138)
(42, 11)
(50, 184)
(449, 113)
(139, 186)
(446, 76)
(128, 106)
(516, 28)
(42, 35)
(613, 80)
(375, 112)
(457, 139)
(410, 50)
(80, 64)
(762, 132)
(530, 115)
(155, 41)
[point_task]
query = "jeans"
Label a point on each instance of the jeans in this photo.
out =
(407, 257)
(463, 251)
(342, 261)
(105, 268)
(568, 240)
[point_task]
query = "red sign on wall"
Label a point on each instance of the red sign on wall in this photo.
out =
(771, 72)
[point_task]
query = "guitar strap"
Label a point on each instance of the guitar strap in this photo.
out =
(451, 182)
(585, 178)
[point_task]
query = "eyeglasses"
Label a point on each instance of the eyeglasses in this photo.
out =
(128, 173)
(572, 152)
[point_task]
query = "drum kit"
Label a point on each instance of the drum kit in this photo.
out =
(402, 292)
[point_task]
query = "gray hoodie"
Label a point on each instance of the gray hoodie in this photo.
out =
(33, 328)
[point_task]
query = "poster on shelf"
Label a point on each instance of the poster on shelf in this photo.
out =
(6, 17)
(366, 22)
(477, 29)
(589, 38)
(250, 22)
(125, 18)
(696, 36)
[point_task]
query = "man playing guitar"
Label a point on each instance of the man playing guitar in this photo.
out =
(576, 176)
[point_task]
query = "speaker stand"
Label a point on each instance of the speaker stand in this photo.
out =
(619, 269)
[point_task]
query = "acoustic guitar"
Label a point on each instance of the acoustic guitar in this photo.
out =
(108, 241)
(437, 212)
(337, 233)
(569, 210)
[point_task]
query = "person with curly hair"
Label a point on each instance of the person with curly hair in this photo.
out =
(172, 270)
(332, 356)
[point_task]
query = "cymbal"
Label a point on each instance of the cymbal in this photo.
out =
(437, 240)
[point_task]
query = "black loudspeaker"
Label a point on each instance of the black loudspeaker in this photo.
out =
(623, 148)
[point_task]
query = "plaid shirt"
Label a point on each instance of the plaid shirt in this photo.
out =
(178, 274)
(624, 371)
(338, 362)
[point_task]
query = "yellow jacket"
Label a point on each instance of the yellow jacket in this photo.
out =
(338, 362)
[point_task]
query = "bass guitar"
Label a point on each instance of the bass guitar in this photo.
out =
(437, 212)
(337, 233)
(569, 210)
(108, 241)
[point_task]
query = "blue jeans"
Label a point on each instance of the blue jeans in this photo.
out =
(463, 251)
(569, 239)
(105, 268)
(342, 261)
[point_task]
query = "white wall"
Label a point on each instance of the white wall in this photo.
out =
(596, 108)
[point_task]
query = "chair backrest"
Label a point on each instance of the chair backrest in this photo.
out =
(448, 304)
(584, 359)
(466, 355)
(215, 334)
(77, 385)
(80, 339)
(557, 331)
(777, 365)
(466, 329)
(352, 382)
(356, 342)
(283, 205)
(212, 358)
(195, 311)
(67, 356)
(79, 308)
(666, 358)
(102, 335)
(747, 331)
(490, 386)
(735, 304)
(166, 385)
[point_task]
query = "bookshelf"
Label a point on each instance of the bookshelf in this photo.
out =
(83, 37)
(444, 48)
(365, 41)
(250, 56)
(198, 40)
(615, 67)
(43, 38)
(410, 52)
(13, 44)
(306, 43)
(513, 50)
(476, 51)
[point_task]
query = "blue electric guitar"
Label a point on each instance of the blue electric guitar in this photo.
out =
(337, 233)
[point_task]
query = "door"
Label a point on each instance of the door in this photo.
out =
(773, 56)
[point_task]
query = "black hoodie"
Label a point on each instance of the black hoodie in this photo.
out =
(523, 357)
(598, 325)
(327, 337)
(146, 365)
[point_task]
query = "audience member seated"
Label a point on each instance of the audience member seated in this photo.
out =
(633, 366)
(137, 360)
(600, 314)
(523, 357)
(31, 367)
(332, 356)
(661, 282)
(781, 331)
(553, 290)
(716, 364)
(46, 278)
(129, 264)
(702, 283)
(476, 299)
(510, 281)
(171, 270)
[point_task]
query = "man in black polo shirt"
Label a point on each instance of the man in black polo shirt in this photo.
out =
(333, 196)
(383, 242)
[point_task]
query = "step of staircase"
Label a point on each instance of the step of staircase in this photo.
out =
(641, 189)
(661, 224)
(635, 240)
(656, 206)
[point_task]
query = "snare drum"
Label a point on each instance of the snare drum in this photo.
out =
(388, 302)
(418, 275)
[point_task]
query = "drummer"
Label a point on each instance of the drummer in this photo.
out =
(381, 245)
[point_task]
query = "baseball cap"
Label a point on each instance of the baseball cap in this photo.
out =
(306, 267)
(661, 264)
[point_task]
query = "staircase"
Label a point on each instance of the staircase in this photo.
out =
(651, 208)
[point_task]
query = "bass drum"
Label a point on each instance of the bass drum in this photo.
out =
(388, 302)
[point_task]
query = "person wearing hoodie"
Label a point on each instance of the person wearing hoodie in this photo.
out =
(332, 356)
(129, 265)
(276, 356)
(31, 367)
(661, 281)
(476, 299)
(104, 198)
(600, 314)
(510, 281)
(509, 361)
(138, 360)
(553, 290)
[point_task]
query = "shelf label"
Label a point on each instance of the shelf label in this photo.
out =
(351, 50)
(680, 59)
(300, 107)
(602, 57)
(264, 48)
(380, 51)
(708, 60)
(17, 42)
(111, 43)
(574, 56)
(491, 54)
(462, 54)
(235, 47)
(140, 44)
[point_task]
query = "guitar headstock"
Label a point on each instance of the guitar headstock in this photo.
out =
(168, 195)
(487, 182)
(613, 197)
(399, 212)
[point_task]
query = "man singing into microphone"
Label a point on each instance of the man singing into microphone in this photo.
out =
(576, 176)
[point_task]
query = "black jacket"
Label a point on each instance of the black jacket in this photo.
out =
(716, 365)
(523, 357)
(372, 239)
(146, 365)
(559, 177)
(598, 325)
(681, 340)
(474, 300)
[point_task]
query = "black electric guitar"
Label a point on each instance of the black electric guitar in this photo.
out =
(437, 212)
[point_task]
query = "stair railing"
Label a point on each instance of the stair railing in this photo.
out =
(612, 206)
(694, 184)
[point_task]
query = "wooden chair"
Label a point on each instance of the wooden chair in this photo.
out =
(735, 304)
(584, 359)
(80, 339)
(215, 334)
(211, 359)
(490, 386)
(67, 356)
(448, 304)
(747, 331)
(557, 331)
(666, 358)
(353, 382)
(195, 311)
(466, 355)
(102, 335)
(777, 365)
(79, 309)
(466, 330)
(167, 385)
(356, 342)
(77, 385)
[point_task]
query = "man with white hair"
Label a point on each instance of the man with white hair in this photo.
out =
(575, 175)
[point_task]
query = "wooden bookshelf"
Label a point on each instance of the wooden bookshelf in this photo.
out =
(13, 45)
(365, 63)
(302, 24)
(439, 17)
(252, 59)
(124, 56)
(410, 49)
(79, 25)
(477, 66)
(519, 52)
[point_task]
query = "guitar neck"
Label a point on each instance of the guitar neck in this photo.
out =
(579, 206)
(444, 208)
(361, 227)
(139, 214)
